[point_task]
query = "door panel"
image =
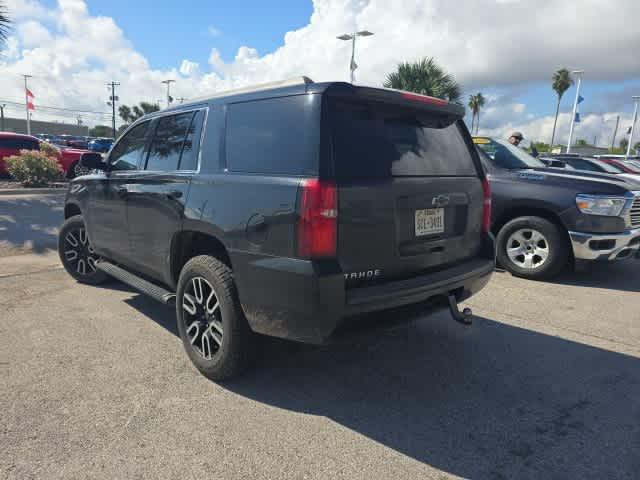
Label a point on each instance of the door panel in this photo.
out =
(155, 212)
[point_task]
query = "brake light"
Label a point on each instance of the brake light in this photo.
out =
(424, 99)
(318, 223)
(486, 206)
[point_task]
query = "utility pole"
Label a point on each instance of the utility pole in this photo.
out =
(26, 103)
(615, 132)
(346, 37)
(636, 99)
(112, 101)
(2, 116)
(168, 82)
(578, 73)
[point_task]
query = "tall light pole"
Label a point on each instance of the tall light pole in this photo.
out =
(636, 99)
(577, 73)
(113, 98)
(168, 83)
(346, 37)
(2, 116)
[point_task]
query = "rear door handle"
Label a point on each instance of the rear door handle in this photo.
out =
(174, 194)
(122, 191)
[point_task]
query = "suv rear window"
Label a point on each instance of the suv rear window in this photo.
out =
(387, 142)
(19, 144)
(274, 136)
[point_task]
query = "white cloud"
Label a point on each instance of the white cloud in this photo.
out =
(72, 54)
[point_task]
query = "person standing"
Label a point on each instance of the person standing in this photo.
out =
(515, 138)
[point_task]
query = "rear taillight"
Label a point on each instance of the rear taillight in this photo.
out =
(318, 224)
(486, 206)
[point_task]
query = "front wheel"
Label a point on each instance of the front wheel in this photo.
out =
(210, 319)
(532, 247)
(76, 253)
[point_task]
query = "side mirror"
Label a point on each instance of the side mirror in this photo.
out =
(92, 161)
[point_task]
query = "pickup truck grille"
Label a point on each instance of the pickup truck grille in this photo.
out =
(634, 213)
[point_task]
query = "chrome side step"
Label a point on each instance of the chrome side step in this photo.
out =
(140, 284)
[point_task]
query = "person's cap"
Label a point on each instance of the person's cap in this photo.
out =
(517, 135)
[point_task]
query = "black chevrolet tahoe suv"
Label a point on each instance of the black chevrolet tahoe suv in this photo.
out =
(548, 219)
(284, 210)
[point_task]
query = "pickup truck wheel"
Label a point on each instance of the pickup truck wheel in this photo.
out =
(211, 323)
(76, 253)
(77, 170)
(532, 247)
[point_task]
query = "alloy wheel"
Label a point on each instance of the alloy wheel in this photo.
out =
(528, 248)
(202, 317)
(79, 253)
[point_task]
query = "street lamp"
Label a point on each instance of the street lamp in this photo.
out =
(346, 37)
(169, 98)
(636, 99)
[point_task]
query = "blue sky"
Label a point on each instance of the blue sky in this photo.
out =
(167, 31)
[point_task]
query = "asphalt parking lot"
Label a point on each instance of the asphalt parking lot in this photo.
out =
(94, 383)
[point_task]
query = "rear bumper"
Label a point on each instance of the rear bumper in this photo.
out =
(307, 301)
(588, 246)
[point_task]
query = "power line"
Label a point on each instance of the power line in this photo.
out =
(40, 107)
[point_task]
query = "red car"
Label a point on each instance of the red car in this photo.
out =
(628, 166)
(12, 143)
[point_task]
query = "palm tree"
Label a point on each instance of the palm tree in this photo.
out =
(4, 25)
(476, 102)
(561, 82)
(425, 77)
(131, 114)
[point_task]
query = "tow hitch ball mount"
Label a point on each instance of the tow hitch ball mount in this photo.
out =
(465, 317)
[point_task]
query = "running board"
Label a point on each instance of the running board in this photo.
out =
(140, 284)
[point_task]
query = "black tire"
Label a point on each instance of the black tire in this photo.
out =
(557, 248)
(76, 253)
(235, 350)
(75, 170)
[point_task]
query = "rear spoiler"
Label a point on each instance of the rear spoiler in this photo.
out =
(397, 97)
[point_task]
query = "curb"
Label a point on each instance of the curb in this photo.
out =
(31, 191)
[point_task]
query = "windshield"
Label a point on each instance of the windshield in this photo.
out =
(510, 157)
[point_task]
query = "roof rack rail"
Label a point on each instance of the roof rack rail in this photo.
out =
(302, 80)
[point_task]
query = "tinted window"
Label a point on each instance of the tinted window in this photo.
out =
(583, 165)
(166, 147)
(128, 150)
(274, 136)
(371, 142)
(19, 144)
(189, 159)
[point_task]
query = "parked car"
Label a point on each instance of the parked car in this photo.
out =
(355, 200)
(594, 165)
(546, 219)
(101, 145)
(12, 143)
(630, 165)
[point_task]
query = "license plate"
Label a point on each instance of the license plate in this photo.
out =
(429, 221)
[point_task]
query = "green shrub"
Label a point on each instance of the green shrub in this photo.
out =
(49, 150)
(33, 168)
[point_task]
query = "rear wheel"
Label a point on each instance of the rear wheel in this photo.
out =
(210, 319)
(532, 247)
(76, 253)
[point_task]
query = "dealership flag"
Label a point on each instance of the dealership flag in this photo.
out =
(580, 99)
(30, 100)
(577, 117)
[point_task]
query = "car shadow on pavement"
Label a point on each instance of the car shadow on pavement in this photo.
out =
(486, 401)
(30, 223)
(623, 275)
(489, 401)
